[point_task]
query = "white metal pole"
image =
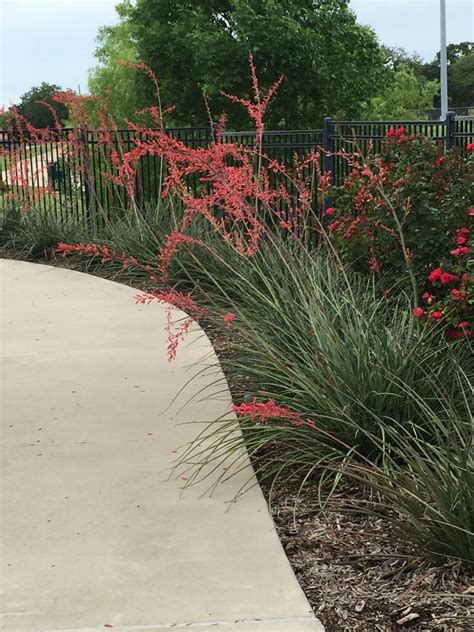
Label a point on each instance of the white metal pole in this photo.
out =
(443, 62)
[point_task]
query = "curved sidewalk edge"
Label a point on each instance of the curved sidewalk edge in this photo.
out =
(93, 532)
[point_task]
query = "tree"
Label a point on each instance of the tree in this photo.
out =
(461, 81)
(460, 74)
(111, 80)
(403, 97)
(199, 48)
(38, 114)
(397, 58)
(7, 118)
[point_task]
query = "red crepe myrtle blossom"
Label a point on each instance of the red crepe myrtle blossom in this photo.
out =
(418, 312)
(228, 318)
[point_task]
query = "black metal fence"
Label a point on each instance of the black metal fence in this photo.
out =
(77, 186)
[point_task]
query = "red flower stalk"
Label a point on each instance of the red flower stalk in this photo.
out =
(256, 110)
(264, 411)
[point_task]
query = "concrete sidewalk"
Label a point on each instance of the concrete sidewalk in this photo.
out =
(93, 534)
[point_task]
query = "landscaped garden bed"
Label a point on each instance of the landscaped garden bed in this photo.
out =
(342, 318)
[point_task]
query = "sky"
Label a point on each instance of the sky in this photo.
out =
(54, 40)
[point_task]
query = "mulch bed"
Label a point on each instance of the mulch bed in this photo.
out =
(358, 575)
(354, 569)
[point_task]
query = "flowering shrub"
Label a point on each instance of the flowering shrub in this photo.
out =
(400, 208)
(449, 298)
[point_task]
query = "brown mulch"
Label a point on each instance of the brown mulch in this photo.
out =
(359, 576)
(354, 569)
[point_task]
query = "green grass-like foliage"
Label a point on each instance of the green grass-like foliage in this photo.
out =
(390, 398)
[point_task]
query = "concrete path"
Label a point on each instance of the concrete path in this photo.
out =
(93, 534)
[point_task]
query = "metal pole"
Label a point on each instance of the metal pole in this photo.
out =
(443, 62)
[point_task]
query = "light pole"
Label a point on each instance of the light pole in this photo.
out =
(443, 62)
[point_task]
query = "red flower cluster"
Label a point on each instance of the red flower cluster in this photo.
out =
(264, 411)
(175, 330)
(397, 134)
(443, 277)
(452, 304)
(462, 238)
(229, 318)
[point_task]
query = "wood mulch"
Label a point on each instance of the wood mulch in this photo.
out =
(355, 571)
(359, 576)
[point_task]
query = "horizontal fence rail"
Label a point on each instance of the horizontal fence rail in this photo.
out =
(76, 184)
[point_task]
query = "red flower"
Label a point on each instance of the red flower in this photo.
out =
(460, 239)
(447, 277)
(461, 250)
(469, 146)
(453, 334)
(464, 230)
(418, 312)
(228, 318)
(434, 275)
(436, 315)
(396, 133)
(329, 211)
(263, 411)
(426, 295)
(458, 295)
(464, 324)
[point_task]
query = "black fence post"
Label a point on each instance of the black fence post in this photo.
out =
(328, 155)
(450, 130)
(85, 159)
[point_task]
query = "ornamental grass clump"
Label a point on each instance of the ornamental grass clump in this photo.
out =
(337, 383)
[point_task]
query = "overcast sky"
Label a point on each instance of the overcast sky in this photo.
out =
(53, 40)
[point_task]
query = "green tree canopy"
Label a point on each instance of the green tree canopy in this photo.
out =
(37, 113)
(461, 86)
(403, 97)
(111, 80)
(460, 74)
(199, 48)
